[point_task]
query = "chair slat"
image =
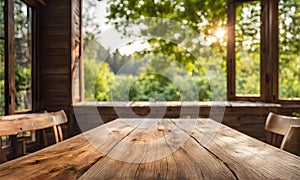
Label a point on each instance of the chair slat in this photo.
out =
(280, 124)
(291, 141)
(14, 124)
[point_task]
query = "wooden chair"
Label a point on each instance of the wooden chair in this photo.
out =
(278, 125)
(14, 124)
(291, 141)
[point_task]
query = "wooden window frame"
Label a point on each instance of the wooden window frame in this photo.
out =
(269, 62)
(9, 57)
(231, 59)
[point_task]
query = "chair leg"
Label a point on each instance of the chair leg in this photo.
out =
(45, 138)
(3, 157)
(60, 133)
(55, 134)
(24, 147)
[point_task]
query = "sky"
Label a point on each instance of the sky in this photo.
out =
(110, 38)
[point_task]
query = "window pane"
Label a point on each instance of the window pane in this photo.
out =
(2, 95)
(289, 49)
(23, 50)
(175, 57)
(247, 36)
(1, 18)
(2, 43)
(6, 141)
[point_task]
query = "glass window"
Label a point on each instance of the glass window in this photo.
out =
(175, 57)
(2, 45)
(1, 18)
(2, 88)
(23, 55)
(289, 49)
(247, 48)
(6, 141)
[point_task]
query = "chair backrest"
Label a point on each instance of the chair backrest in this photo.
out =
(279, 125)
(291, 141)
(14, 124)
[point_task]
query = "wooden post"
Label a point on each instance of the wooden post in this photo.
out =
(231, 50)
(9, 57)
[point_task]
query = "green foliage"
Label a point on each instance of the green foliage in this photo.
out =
(91, 69)
(91, 27)
(203, 61)
(98, 81)
(247, 30)
(153, 87)
(121, 87)
(289, 47)
(180, 30)
(23, 77)
(103, 83)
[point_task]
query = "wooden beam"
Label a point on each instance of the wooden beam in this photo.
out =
(231, 50)
(9, 57)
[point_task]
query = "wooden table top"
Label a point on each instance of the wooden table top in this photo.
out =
(157, 149)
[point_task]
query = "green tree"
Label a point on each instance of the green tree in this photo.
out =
(191, 30)
(205, 18)
(91, 69)
(103, 84)
(90, 25)
(289, 47)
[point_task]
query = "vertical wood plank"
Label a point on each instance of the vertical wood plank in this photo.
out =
(9, 58)
(264, 51)
(55, 55)
(274, 50)
(231, 50)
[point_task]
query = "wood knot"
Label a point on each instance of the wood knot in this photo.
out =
(158, 176)
(36, 162)
(161, 128)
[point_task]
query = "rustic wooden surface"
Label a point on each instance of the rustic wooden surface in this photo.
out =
(229, 155)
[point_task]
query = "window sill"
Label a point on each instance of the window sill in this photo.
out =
(178, 104)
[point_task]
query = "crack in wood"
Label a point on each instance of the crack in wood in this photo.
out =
(198, 142)
(171, 154)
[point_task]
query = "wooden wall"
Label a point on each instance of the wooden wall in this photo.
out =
(246, 117)
(59, 53)
(59, 56)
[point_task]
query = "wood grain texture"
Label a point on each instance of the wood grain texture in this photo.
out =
(205, 154)
(66, 160)
(154, 149)
(9, 57)
(55, 54)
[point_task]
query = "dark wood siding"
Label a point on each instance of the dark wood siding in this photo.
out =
(59, 27)
(246, 117)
